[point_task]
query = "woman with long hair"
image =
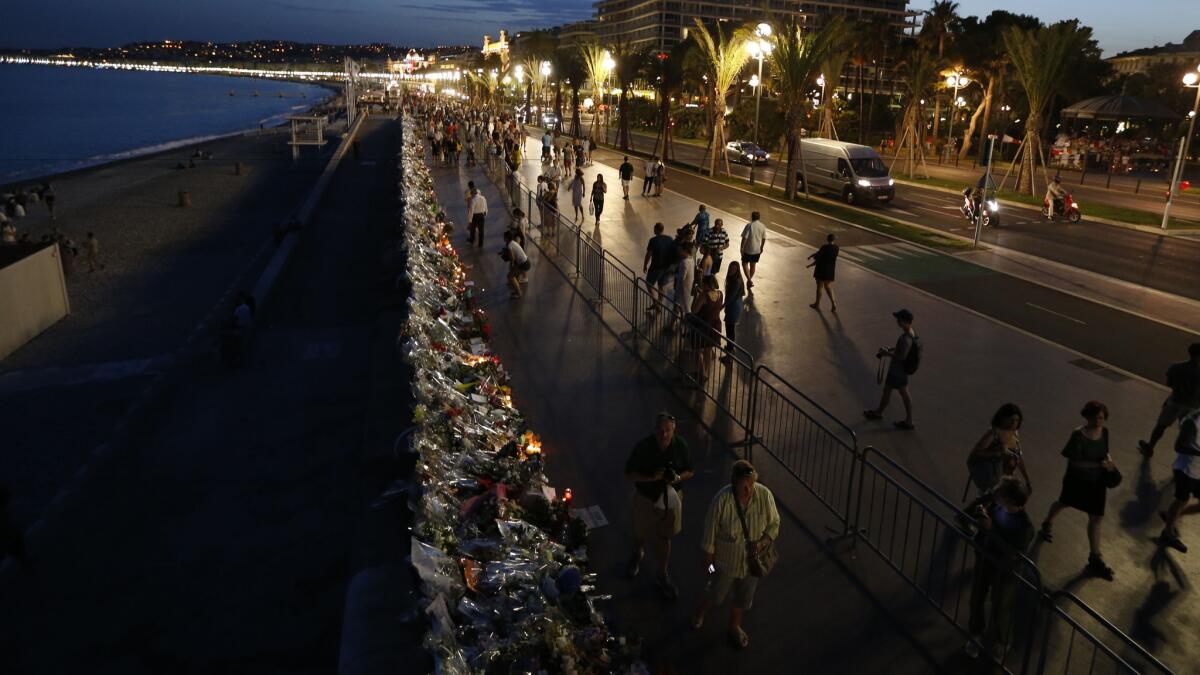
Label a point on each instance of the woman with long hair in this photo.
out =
(735, 297)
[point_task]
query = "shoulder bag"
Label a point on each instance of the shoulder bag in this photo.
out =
(761, 562)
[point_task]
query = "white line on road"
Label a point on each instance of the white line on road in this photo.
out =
(1068, 318)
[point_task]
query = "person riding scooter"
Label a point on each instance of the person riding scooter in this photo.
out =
(1054, 194)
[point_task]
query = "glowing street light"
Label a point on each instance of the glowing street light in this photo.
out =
(1191, 80)
(956, 80)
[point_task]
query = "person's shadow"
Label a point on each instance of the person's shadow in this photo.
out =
(1139, 511)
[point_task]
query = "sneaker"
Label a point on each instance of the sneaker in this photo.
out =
(1096, 567)
(871, 415)
(1145, 449)
(667, 587)
(1173, 541)
(635, 565)
(815, 306)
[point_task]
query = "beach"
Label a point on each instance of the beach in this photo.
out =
(165, 268)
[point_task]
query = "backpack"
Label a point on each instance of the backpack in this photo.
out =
(912, 360)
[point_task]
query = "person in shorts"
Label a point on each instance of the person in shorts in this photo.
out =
(518, 263)
(626, 173)
(657, 467)
(725, 545)
(1184, 380)
(1186, 470)
(662, 254)
(897, 376)
(754, 239)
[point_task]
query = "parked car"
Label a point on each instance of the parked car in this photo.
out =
(549, 119)
(745, 152)
(854, 172)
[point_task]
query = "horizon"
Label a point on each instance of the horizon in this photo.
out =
(419, 26)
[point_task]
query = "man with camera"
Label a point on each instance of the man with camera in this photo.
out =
(906, 357)
(657, 467)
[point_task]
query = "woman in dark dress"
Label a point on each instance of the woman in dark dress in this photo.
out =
(1083, 485)
(706, 310)
(825, 262)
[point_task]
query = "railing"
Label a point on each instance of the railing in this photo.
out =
(912, 529)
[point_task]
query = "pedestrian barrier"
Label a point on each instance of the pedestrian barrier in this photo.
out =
(912, 529)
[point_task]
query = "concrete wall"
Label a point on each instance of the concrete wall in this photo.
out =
(33, 296)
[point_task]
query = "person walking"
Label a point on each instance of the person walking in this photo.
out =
(1086, 481)
(578, 189)
(715, 244)
(1184, 380)
(518, 263)
(658, 466)
(568, 154)
(476, 213)
(735, 297)
(905, 358)
(648, 176)
(660, 177)
(547, 144)
(91, 247)
(700, 221)
(706, 313)
(626, 173)
(741, 516)
(1005, 532)
(662, 254)
(685, 277)
(598, 190)
(1186, 472)
(825, 262)
(754, 240)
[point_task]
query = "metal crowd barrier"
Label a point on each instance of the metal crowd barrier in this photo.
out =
(913, 529)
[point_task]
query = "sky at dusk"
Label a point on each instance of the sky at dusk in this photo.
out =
(58, 23)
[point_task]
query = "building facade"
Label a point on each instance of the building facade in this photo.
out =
(1185, 55)
(660, 24)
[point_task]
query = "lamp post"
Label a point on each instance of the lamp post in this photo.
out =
(545, 69)
(759, 48)
(609, 66)
(1192, 81)
(956, 80)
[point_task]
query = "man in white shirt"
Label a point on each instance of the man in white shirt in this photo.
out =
(650, 167)
(754, 239)
(518, 263)
(1186, 469)
(476, 211)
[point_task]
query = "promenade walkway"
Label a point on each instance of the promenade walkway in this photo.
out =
(223, 541)
(974, 362)
(591, 400)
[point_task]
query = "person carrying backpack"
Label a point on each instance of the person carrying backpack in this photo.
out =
(905, 360)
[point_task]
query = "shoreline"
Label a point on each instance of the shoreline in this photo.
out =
(168, 146)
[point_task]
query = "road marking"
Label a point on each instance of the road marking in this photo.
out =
(1068, 318)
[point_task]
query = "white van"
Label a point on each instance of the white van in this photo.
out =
(853, 171)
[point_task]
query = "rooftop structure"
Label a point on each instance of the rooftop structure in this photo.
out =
(1185, 54)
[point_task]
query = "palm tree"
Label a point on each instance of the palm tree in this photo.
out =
(572, 71)
(594, 58)
(881, 36)
(725, 55)
(671, 77)
(630, 64)
(941, 22)
(832, 68)
(1041, 58)
(796, 62)
(921, 71)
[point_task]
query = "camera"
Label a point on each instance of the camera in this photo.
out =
(669, 474)
(883, 351)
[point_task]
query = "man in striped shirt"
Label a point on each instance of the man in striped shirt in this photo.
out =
(726, 543)
(715, 244)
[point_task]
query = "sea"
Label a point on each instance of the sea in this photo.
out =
(55, 119)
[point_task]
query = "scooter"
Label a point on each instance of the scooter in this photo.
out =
(990, 211)
(1069, 208)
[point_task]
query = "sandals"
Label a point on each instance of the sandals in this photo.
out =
(1046, 533)
(739, 639)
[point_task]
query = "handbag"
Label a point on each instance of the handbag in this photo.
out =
(1111, 477)
(760, 562)
(591, 208)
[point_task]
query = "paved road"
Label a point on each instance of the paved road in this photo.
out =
(1165, 263)
(1129, 342)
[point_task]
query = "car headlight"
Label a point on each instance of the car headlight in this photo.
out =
(863, 182)
(891, 182)
(1075, 204)
(993, 205)
(766, 155)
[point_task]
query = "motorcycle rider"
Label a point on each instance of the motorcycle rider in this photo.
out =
(1054, 196)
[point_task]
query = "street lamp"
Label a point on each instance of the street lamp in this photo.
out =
(1191, 81)
(821, 84)
(956, 80)
(759, 50)
(609, 65)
